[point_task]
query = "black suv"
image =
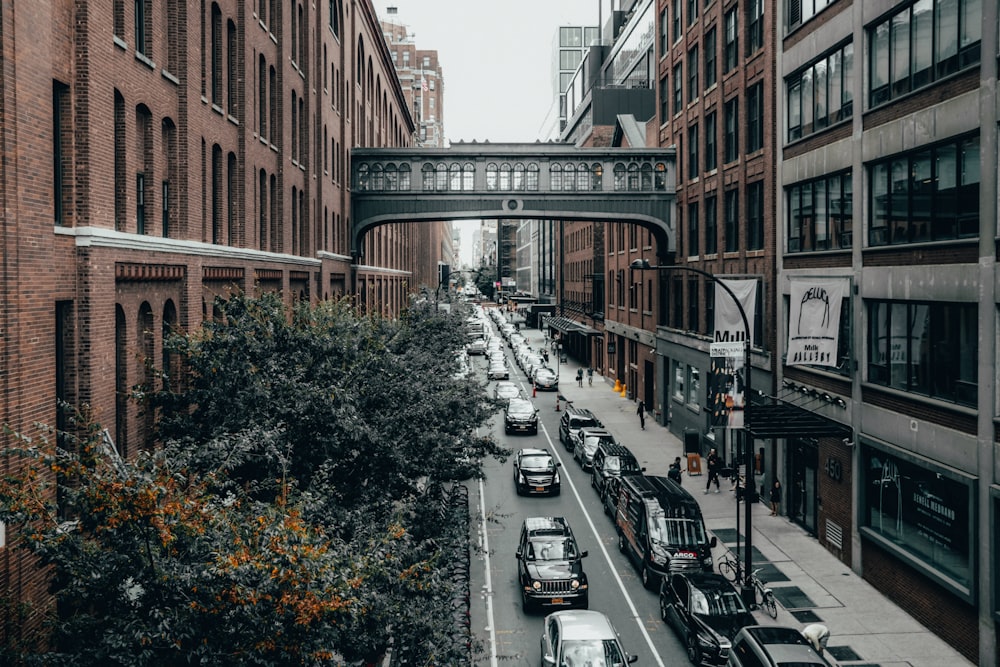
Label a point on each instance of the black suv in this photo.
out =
(706, 612)
(549, 565)
(536, 471)
(611, 461)
(521, 416)
(573, 419)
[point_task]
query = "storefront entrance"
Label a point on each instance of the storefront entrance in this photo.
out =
(803, 468)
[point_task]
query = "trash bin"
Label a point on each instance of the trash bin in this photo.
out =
(562, 357)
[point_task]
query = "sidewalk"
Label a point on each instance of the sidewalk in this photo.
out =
(811, 585)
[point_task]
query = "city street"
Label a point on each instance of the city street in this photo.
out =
(510, 636)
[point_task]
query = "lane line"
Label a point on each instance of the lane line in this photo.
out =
(488, 586)
(607, 557)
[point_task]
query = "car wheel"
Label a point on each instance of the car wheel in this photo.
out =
(621, 542)
(648, 578)
(525, 604)
(664, 606)
(693, 651)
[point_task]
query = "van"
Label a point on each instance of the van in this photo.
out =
(660, 528)
(574, 419)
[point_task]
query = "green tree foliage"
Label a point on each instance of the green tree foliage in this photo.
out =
(286, 518)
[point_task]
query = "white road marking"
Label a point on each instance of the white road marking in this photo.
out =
(488, 587)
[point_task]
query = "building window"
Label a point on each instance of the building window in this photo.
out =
(693, 168)
(679, 392)
(692, 229)
(921, 43)
(820, 214)
(694, 386)
(732, 231)
(678, 297)
(921, 513)
(664, 99)
(930, 194)
(62, 128)
(693, 90)
(711, 225)
(216, 55)
(692, 11)
(755, 215)
(664, 35)
(677, 20)
(731, 148)
(140, 203)
(692, 323)
(143, 27)
(800, 11)
(570, 36)
(231, 70)
(710, 58)
(569, 59)
(930, 349)
(711, 148)
(165, 221)
(820, 95)
(732, 41)
(755, 117)
(678, 89)
(755, 26)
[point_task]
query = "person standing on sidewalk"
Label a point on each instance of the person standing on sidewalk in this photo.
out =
(579, 377)
(590, 376)
(641, 411)
(714, 465)
(775, 497)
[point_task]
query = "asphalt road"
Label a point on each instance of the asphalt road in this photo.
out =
(508, 635)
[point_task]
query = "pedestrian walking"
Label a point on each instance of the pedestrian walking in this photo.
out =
(775, 497)
(714, 465)
(674, 472)
(590, 377)
(579, 377)
(641, 411)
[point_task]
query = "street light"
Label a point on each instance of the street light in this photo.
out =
(747, 590)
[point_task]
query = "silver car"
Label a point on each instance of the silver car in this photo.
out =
(582, 637)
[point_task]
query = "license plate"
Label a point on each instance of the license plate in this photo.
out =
(557, 600)
(539, 488)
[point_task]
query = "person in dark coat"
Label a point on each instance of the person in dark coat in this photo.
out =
(714, 466)
(641, 411)
(775, 497)
(674, 472)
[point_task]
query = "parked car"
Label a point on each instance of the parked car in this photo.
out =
(611, 461)
(776, 645)
(585, 443)
(505, 389)
(550, 565)
(574, 418)
(520, 416)
(536, 472)
(477, 346)
(497, 371)
(706, 611)
(579, 637)
(545, 379)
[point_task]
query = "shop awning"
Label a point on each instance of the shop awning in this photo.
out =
(568, 326)
(780, 419)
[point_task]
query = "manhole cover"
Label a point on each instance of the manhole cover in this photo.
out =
(841, 653)
(806, 616)
(792, 597)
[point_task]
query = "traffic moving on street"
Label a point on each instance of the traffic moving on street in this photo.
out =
(554, 568)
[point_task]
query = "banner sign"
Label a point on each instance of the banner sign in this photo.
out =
(814, 322)
(726, 382)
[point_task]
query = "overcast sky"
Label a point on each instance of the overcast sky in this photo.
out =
(496, 59)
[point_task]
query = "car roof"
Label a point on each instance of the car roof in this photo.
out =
(519, 402)
(595, 431)
(546, 525)
(534, 451)
(584, 624)
(616, 449)
(707, 580)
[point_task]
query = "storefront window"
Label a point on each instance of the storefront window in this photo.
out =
(922, 514)
(694, 386)
(679, 381)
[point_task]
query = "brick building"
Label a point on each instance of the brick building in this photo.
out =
(157, 155)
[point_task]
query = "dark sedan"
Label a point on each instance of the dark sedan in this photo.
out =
(706, 611)
(549, 565)
(520, 416)
(536, 472)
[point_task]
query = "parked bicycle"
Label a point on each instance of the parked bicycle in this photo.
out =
(731, 568)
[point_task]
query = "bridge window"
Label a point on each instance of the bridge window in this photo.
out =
(404, 177)
(518, 176)
(660, 176)
(491, 176)
(556, 177)
(391, 180)
(633, 177)
(441, 177)
(647, 177)
(363, 177)
(505, 176)
(454, 177)
(532, 177)
(468, 176)
(583, 177)
(378, 177)
(427, 177)
(569, 177)
(620, 181)
(596, 174)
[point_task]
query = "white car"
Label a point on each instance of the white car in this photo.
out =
(506, 389)
(498, 371)
(545, 379)
(582, 637)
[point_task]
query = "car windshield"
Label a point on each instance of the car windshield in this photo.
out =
(592, 653)
(677, 532)
(716, 602)
(552, 548)
(537, 462)
(520, 406)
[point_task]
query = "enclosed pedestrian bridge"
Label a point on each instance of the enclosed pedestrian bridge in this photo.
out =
(547, 181)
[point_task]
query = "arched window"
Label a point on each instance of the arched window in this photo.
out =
(364, 178)
(647, 177)
(660, 179)
(532, 178)
(556, 177)
(391, 180)
(633, 177)
(583, 178)
(441, 177)
(468, 177)
(492, 176)
(620, 181)
(427, 177)
(505, 176)
(378, 178)
(404, 177)
(596, 177)
(518, 183)
(454, 177)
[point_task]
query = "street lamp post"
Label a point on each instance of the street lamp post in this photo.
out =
(747, 590)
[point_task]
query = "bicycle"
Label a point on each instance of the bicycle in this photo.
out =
(731, 568)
